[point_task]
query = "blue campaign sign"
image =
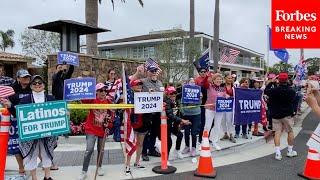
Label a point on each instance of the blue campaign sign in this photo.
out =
(79, 88)
(224, 104)
(247, 106)
(68, 57)
(191, 94)
(13, 143)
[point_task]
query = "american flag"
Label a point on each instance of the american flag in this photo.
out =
(126, 131)
(152, 63)
(6, 91)
(229, 55)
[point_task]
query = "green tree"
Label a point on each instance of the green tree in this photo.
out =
(91, 13)
(281, 67)
(6, 39)
(173, 52)
(313, 65)
(39, 44)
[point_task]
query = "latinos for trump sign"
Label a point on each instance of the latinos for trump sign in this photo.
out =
(224, 104)
(79, 88)
(145, 102)
(41, 120)
(191, 94)
(247, 106)
(68, 58)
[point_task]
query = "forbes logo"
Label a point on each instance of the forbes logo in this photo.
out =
(281, 15)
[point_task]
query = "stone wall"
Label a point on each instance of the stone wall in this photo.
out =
(93, 67)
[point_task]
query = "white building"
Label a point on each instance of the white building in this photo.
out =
(249, 62)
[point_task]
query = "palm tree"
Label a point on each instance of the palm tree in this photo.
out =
(6, 39)
(215, 43)
(91, 13)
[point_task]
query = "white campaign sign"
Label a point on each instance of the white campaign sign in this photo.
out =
(145, 102)
(314, 141)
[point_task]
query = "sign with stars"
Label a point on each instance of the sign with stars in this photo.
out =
(39, 120)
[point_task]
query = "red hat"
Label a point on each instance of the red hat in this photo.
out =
(170, 90)
(283, 77)
(135, 82)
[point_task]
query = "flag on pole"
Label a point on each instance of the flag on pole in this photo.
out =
(229, 55)
(152, 65)
(282, 54)
(127, 134)
(203, 61)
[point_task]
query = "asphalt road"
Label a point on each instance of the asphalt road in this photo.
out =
(265, 168)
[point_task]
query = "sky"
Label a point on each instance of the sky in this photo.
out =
(243, 22)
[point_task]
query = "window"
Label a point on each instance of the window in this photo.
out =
(137, 52)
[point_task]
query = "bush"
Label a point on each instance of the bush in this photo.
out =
(77, 118)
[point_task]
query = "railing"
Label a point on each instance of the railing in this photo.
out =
(247, 62)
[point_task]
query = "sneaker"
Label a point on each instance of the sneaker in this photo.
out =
(186, 150)
(154, 153)
(127, 171)
(232, 139)
(278, 157)
(100, 172)
(145, 157)
(258, 134)
(245, 136)
(292, 154)
(138, 166)
(193, 152)
(236, 136)
(178, 154)
(168, 163)
(216, 146)
(225, 137)
(83, 175)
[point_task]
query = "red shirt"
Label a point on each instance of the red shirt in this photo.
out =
(90, 127)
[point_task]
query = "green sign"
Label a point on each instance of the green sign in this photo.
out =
(41, 120)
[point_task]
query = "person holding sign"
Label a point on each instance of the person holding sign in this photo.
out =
(227, 125)
(95, 125)
(42, 148)
(214, 90)
(194, 117)
(62, 73)
(21, 88)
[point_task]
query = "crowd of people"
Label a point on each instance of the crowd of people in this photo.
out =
(281, 101)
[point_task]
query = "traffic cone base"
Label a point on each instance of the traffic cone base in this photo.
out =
(311, 170)
(205, 167)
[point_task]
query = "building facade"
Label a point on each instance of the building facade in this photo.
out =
(249, 63)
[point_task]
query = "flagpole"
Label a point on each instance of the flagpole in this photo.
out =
(125, 98)
(268, 49)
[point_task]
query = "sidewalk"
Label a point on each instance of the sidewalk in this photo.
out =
(69, 156)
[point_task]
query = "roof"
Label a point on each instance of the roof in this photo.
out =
(5, 56)
(159, 35)
(56, 26)
(143, 37)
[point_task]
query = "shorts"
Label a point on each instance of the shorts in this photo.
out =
(285, 123)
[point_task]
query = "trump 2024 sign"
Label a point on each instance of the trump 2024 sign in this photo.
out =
(295, 24)
(41, 120)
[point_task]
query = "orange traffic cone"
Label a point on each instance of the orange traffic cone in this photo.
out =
(4, 138)
(205, 167)
(311, 169)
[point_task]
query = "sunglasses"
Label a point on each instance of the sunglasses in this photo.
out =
(154, 70)
(102, 90)
(203, 71)
(37, 83)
